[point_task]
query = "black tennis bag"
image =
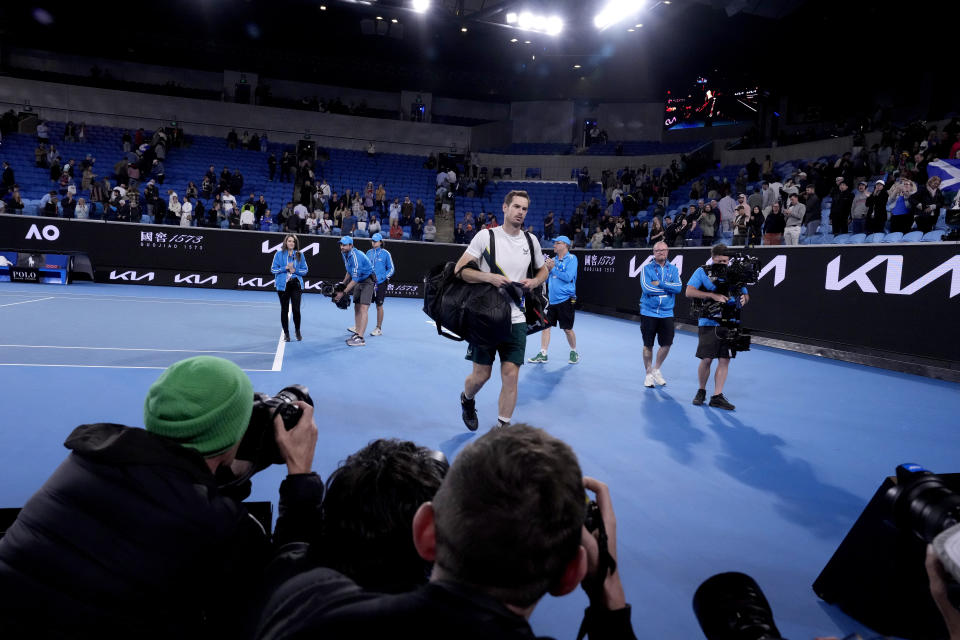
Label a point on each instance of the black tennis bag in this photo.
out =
(478, 313)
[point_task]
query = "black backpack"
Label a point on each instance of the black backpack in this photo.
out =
(476, 312)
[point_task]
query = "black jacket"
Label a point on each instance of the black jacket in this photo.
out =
(130, 537)
(325, 604)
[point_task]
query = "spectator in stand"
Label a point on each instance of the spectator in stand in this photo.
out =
(68, 206)
(374, 226)
(232, 139)
(43, 132)
(248, 215)
(596, 240)
(312, 222)
(271, 167)
(228, 203)
(349, 224)
(126, 141)
(173, 209)
(812, 215)
(858, 208)
(82, 212)
(380, 199)
(548, 226)
(774, 225)
(260, 208)
(767, 168)
(396, 233)
(49, 208)
(768, 197)
(459, 234)
(416, 229)
(419, 210)
(186, 213)
(159, 171)
(657, 232)
(926, 204)
(840, 210)
(694, 237)
(876, 219)
(727, 206)
(741, 226)
(469, 232)
(753, 170)
(429, 231)
(706, 222)
(40, 156)
(796, 212)
(7, 180)
(491, 222)
(14, 201)
(394, 212)
(191, 191)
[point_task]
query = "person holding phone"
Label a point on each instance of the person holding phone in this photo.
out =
(288, 268)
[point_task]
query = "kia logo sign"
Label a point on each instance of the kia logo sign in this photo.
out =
(48, 232)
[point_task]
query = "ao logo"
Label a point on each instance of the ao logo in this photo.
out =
(49, 232)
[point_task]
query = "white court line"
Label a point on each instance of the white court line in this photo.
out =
(278, 356)
(139, 299)
(91, 366)
(47, 346)
(10, 304)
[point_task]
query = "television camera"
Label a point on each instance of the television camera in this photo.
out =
(331, 291)
(740, 271)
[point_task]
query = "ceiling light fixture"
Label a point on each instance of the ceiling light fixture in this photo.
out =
(421, 5)
(616, 11)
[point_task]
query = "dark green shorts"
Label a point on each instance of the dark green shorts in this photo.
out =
(512, 350)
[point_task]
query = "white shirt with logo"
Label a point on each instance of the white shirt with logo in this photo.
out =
(513, 258)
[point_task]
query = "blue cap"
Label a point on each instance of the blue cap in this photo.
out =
(563, 239)
(346, 240)
(376, 238)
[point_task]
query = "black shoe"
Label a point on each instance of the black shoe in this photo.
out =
(286, 337)
(720, 402)
(701, 397)
(299, 337)
(469, 411)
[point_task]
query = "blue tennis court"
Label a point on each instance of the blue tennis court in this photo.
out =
(769, 490)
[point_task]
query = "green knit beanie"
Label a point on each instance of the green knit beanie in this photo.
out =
(203, 403)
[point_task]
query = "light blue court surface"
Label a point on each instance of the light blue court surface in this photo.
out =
(769, 490)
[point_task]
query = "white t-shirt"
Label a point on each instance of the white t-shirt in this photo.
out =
(228, 202)
(513, 258)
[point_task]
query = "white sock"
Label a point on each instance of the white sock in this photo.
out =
(503, 420)
(543, 351)
(468, 397)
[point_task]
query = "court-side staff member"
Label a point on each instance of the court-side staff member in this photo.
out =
(289, 267)
(360, 280)
(660, 282)
(563, 297)
(382, 263)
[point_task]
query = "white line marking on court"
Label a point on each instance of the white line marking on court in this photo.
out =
(80, 296)
(91, 366)
(278, 356)
(47, 346)
(10, 304)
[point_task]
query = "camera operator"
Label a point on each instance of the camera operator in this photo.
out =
(133, 535)
(361, 280)
(711, 344)
(506, 527)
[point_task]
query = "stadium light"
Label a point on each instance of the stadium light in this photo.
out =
(421, 5)
(615, 11)
(551, 25)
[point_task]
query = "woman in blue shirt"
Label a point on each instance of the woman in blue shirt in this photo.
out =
(288, 268)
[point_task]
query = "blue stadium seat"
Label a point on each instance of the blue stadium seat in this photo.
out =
(843, 238)
(933, 236)
(896, 236)
(913, 236)
(875, 237)
(858, 238)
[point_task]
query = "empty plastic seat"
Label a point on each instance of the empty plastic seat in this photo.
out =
(857, 238)
(913, 236)
(896, 236)
(843, 238)
(875, 237)
(933, 236)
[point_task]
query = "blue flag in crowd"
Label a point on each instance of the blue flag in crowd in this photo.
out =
(948, 171)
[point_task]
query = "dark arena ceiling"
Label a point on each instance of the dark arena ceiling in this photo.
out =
(463, 48)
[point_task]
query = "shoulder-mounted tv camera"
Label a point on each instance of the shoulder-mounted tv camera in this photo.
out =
(331, 291)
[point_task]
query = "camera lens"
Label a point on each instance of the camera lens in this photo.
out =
(922, 502)
(731, 606)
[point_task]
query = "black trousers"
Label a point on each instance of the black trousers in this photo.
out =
(290, 294)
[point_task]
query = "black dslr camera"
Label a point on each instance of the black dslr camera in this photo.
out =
(742, 270)
(331, 291)
(731, 606)
(259, 445)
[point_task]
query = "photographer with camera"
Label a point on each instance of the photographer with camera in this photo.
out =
(288, 268)
(508, 525)
(712, 337)
(361, 280)
(138, 533)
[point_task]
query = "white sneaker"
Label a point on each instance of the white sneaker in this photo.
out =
(351, 330)
(649, 381)
(376, 332)
(658, 377)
